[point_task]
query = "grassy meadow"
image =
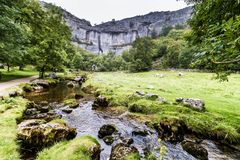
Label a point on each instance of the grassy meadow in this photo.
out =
(222, 99)
(14, 73)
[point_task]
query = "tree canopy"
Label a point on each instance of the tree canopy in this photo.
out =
(215, 30)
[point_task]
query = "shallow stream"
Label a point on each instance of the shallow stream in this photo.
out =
(88, 122)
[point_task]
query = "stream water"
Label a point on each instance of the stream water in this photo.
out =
(88, 122)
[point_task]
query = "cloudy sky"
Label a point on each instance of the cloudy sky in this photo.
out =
(97, 11)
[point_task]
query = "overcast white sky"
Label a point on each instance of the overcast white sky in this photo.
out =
(97, 11)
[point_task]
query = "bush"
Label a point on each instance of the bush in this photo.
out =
(141, 55)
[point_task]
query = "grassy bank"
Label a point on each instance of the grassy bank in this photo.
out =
(221, 119)
(14, 73)
(10, 109)
(83, 148)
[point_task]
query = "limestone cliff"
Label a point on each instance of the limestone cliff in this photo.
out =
(118, 36)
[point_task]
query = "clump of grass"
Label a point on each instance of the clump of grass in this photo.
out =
(60, 121)
(69, 101)
(134, 156)
(8, 145)
(79, 148)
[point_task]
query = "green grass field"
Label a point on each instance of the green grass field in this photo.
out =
(10, 109)
(221, 119)
(14, 73)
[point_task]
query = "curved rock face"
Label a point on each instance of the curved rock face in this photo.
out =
(118, 36)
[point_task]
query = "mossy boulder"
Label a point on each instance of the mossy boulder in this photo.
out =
(42, 83)
(70, 84)
(124, 152)
(100, 102)
(195, 150)
(79, 95)
(108, 140)
(83, 148)
(195, 104)
(172, 130)
(27, 88)
(14, 94)
(39, 134)
(151, 96)
(106, 130)
(72, 103)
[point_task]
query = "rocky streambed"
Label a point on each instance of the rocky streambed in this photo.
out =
(117, 134)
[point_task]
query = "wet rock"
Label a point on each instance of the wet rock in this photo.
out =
(30, 105)
(140, 93)
(14, 94)
(152, 96)
(137, 108)
(38, 134)
(106, 130)
(31, 111)
(44, 109)
(78, 96)
(100, 102)
(140, 132)
(67, 110)
(108, 140)
(128, 141)
(27, 88)
(80, 80)
(45, 116)
(122, 151)
(43, 103)
(88, 89)
(53, 75)
(42, 83)
(37, 88)
(70, 84)
(195, 150)
(195, 104)
(74, 105)
(172, 130)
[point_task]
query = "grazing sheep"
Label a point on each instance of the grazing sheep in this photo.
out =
(180, 74)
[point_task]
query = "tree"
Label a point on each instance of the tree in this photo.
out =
(142, 53)
(12, 33)
(166, 30)
(49, 36)
(215, 30)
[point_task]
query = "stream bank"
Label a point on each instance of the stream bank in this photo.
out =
(88, 121)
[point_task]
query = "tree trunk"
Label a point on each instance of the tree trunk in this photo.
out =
(41, 73)
(21, 68)
(8, 67)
